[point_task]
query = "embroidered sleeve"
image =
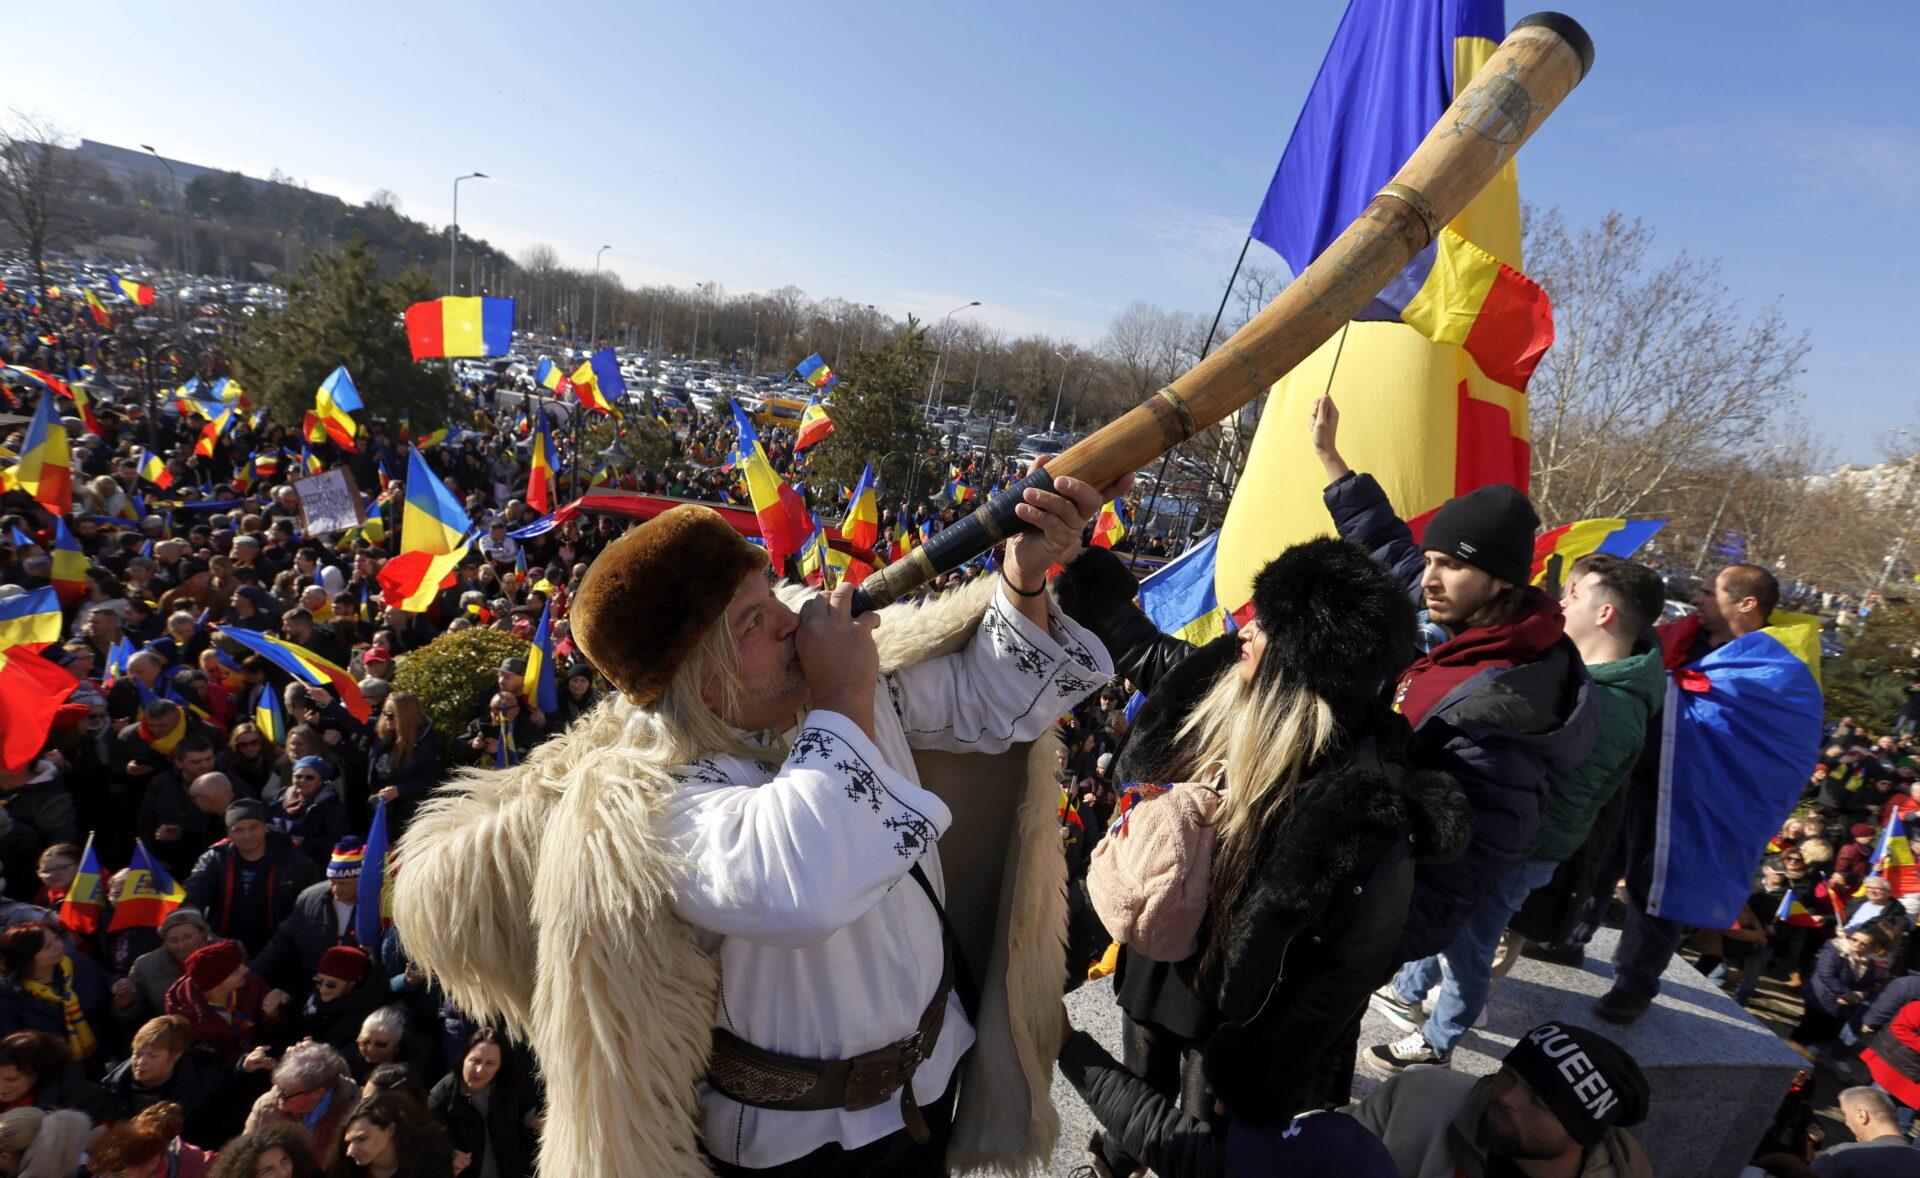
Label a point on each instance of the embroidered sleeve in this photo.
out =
(1010, 682)
(793, 860)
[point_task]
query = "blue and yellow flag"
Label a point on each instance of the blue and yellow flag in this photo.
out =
(1180, 597)
(268, 717)
(146, 893)
(539, 685)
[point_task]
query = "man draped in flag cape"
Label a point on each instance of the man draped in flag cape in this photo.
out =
(1739, 736)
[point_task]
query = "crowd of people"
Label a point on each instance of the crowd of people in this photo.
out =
(1353, 799)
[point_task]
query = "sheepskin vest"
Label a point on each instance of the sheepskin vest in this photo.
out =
(539, 896)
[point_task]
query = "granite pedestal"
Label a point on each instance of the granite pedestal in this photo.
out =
(1717, 1074)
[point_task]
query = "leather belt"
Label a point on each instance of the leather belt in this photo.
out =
(761, 1078)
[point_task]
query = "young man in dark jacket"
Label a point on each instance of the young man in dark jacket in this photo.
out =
(1609, 603)
(1499, 699)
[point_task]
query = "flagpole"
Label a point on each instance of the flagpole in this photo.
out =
(1160, 480)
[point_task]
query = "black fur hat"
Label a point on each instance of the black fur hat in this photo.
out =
(1336, 620)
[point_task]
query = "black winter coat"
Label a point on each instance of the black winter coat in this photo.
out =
(1318, 925)
(289, 960)
(503, 1127)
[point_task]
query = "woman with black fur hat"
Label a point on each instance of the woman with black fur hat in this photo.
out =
(1315, 837)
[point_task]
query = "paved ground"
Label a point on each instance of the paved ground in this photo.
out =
(1093, 1011)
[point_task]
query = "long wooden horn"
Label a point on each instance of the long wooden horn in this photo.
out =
(1543, 59)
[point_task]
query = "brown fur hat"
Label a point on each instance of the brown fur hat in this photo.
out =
(645, 604)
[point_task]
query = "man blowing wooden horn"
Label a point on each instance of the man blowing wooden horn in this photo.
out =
(720, 895)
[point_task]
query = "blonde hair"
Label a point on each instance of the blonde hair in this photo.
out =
(1267, 738)
(682, 726)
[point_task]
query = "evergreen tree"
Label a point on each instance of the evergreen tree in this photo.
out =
(339, 312)
(1869, 680)
(877, 418)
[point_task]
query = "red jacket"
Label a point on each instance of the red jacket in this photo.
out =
(1893, 1058)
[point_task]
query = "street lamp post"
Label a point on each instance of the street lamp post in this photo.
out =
(1066, 361)
(862, 345)
(941, 355)
(593, 329)
(179, 241)
(453, 231)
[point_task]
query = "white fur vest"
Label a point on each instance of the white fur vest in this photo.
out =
(539, 896)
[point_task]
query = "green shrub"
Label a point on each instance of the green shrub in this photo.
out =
(455, 675)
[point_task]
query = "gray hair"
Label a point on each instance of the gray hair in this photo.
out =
(309, 1065)
(1873, 1100)
(388, 1020)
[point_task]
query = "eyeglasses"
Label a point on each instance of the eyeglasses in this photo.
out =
(282, 1096)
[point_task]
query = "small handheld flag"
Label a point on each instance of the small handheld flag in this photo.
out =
(146, 893)
(374, 908)
(815, 372)
(268, 717)
(86, 899)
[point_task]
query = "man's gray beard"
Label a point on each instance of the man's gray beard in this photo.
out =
(789, 681)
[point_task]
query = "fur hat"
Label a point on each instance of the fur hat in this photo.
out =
(1337, 622)
(645, 604)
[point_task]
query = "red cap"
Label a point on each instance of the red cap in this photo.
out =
(215, 963)
(344, 962)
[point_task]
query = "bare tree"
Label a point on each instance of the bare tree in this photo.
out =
(1655, 368)
(39, 180)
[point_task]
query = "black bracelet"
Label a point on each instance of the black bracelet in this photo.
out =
(1017, 589)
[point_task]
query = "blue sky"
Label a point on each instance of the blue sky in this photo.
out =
(1055, 161)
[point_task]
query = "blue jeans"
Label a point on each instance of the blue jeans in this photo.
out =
(1464, 969)
(1647, 945)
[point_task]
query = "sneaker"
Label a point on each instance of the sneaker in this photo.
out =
(1620, 1008)
(1390, 1059)
(1395, 1009)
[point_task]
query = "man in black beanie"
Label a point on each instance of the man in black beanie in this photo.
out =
(1559, 1105)
(1499, 698)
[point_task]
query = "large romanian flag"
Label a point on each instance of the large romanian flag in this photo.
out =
(1430, 379)
(1741, 732)
(146, 893)
(137, 293)
(45, 470)
(305, 666)
(455, 326)
(540, 467)
(433, 527)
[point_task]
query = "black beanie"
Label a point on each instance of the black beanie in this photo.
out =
(1491, 528)
(1583, 1076)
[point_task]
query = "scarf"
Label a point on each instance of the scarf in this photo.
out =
(312, 1119)
(238, 1019)
(163, 744)
(1434, 674)
(80, 1040)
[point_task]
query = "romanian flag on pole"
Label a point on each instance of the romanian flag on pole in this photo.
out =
(213, 431)
(268, 716)
(1569, 542)
(456, 326)
(152, 469)
(549, 377)
(69, 575)
(862, 525)
(1180, 597)
(305, 666)
(433, 528)
(101, 316)
(587, 388)
(541, 686)
(84, 403)
(45, 470)
(815, 425)
(607, 378)
(815, 372)
(333, 403)
(540, 468)
(137, 293)
(1428, 416)
(146, 894)
(1110, 524)
(374, 910)
(86, 901)
(1894, 860)
(784, 523)
(1794, 912)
